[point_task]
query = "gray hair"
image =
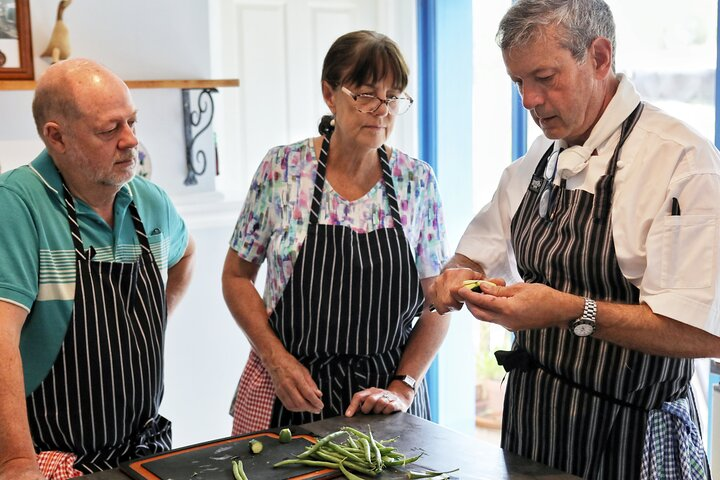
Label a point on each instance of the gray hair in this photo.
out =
(579, 23)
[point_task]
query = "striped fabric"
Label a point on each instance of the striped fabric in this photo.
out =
(346, 313)
(585, 410)
(100, 400)
(57, 267)
(348, 309)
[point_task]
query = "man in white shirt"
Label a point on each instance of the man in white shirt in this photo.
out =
(603, 245)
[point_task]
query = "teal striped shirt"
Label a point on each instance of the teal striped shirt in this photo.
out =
(37, 264)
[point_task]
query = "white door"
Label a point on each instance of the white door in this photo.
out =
(276, 49)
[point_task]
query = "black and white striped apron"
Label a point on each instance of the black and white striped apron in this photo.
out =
(100, 400)
(347, 310)
(581, 404)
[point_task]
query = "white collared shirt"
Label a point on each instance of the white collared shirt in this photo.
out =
(672, 259)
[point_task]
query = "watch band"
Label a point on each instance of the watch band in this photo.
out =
(407, 380)
(585, 325)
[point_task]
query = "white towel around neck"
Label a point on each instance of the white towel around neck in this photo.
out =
(573, 160)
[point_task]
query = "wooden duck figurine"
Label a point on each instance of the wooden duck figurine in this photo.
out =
(59, 45)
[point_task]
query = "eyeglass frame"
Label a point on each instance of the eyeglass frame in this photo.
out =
(386, 101)
(547, 188)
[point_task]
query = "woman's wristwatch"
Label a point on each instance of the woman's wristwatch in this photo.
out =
(407, 380)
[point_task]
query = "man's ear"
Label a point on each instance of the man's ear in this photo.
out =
(54, 137)
(329, 96)
(601, 56)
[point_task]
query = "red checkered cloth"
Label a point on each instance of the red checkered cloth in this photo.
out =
(254, 398)
(56, 465)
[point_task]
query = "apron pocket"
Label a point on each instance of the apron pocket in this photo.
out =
(683, 264)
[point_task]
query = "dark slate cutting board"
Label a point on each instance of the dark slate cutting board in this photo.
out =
(212, 460)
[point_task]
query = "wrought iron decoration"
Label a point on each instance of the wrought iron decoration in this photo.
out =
(196, 161)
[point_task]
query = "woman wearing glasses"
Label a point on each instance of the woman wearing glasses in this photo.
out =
(352, 232)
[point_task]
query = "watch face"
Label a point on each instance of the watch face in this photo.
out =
(406, 379)
(583, 329)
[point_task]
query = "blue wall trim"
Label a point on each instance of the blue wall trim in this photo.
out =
(427, 82)
(427, 123)
(445, 65)
(518, 125)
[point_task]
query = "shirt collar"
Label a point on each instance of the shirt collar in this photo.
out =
(44, 167)
(573, 160)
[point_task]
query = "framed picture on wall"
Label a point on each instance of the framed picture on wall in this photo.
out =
(16, 58)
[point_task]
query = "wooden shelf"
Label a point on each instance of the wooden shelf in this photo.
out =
(228, 82)
(17, 85)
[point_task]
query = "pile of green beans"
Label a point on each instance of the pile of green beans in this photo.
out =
(359, 453)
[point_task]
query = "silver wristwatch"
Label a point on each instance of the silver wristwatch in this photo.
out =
(585, 325)
(406, 379)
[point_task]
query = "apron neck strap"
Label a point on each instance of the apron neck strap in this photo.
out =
(139, 228)
(389, 186)
(73, 222)
(604, 186)
(75, 225)
(320, 182)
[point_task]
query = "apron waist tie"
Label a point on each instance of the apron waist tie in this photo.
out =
(522, 360)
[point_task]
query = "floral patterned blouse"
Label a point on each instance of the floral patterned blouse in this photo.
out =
(274, 220)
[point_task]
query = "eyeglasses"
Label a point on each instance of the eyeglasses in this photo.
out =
(547, 194)
(366, 103)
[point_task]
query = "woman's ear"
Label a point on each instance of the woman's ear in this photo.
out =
(328, 95)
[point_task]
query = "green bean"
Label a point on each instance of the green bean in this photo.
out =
(344, 451)
(352, 442)
(320, 443)
(302, 461)
(428, 474)
(378, 455)
(329, 455)
(366, 446)
(238, 471)
(394, 454)
(355, 432)
(348, 475)
(400, 462)
(361, 467)
(364, 469)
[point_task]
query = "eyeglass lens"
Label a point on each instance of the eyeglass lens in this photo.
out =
(369, 104)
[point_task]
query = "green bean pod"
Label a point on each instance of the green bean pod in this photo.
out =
(400, 462)
(238, 471)
(349, 475)
(305, 461)
(366, 448)
(376, 451)
(320, 443)
(345, 452)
